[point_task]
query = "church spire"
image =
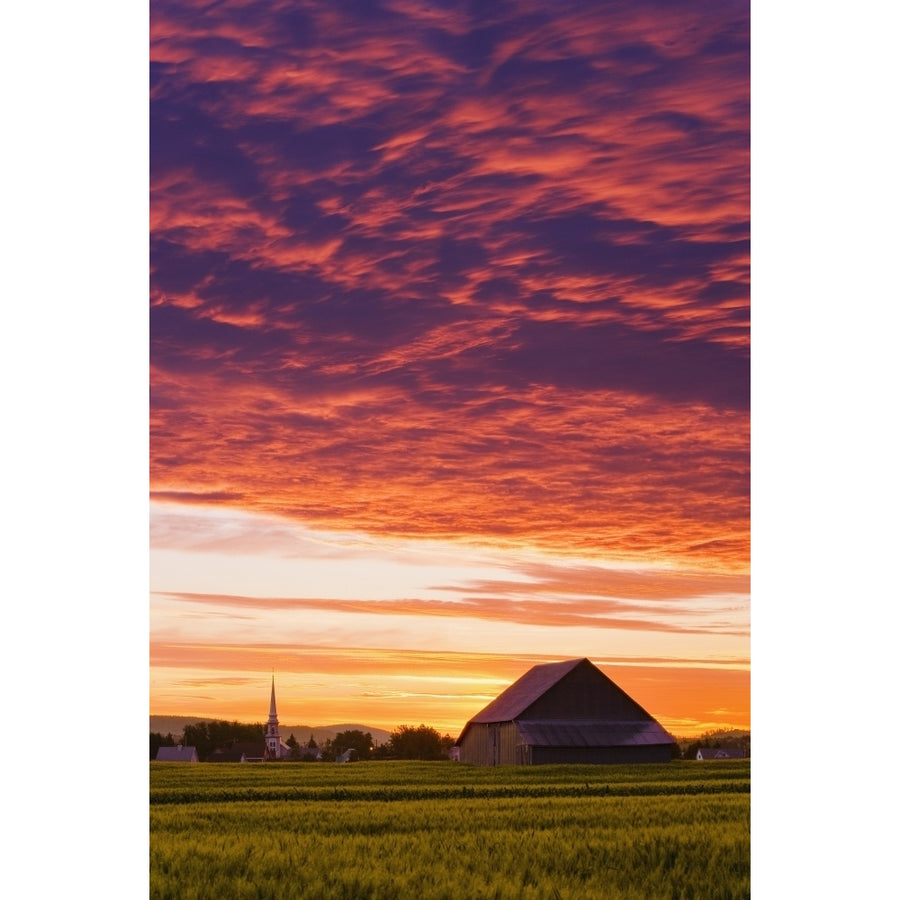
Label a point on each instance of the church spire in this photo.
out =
(273, 715)
(273, 736)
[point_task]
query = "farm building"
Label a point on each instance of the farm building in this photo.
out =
(177, 754)
(564, 712)
(240, 751)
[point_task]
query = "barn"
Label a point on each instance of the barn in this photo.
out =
(563, 712)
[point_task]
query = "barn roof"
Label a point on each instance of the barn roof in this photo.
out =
(588, 710)
(176, 754)
(239, 750)
(530, 687)
(581, 733)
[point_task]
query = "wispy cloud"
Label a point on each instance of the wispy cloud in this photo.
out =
(721, 615)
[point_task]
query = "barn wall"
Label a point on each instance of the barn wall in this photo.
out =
(501, 745)
(475, 747)
(495, 744)
(647, 753)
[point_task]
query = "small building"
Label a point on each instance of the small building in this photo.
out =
(306, 753)
(564, 712)
(240, 751)
(177, 754)
(706, 753)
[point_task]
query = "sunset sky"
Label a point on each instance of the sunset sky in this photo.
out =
(450, 356)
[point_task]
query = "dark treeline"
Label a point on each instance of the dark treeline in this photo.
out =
(421, 742)
(208, 736)
(721, 737)
(406, 742)
(158, 740)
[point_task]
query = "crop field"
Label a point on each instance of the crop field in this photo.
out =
(441, 831)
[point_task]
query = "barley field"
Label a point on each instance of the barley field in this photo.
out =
(440, 831)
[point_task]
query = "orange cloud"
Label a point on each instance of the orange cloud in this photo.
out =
(593, 612)
(604, 481)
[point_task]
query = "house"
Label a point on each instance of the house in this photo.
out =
(720, 753)
(240, 751)
(563, 712)
(177, 754)
(306, 753)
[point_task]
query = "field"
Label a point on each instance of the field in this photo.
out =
(436, 831)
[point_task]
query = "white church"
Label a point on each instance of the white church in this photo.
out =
(276, 748)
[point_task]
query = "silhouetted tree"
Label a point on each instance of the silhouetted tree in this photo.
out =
(294, 747)
(207, 736)
(357, 741)
(383, 751)
(422, 742)
(157, 741)
(328, 753)
(721, 737)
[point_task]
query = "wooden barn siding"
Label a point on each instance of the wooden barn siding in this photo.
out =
(493, 745)
(501, 745)
(641, 754)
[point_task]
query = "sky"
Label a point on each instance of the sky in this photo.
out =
(449, 356)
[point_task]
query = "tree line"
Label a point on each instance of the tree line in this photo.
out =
(720, 737)
(406, 742)
(208, 736)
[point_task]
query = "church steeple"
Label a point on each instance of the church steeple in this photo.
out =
(273, 715)
(273, 737)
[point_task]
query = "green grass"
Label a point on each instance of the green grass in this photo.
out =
(441, 830)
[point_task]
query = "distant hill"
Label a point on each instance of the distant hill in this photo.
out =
(174, 725)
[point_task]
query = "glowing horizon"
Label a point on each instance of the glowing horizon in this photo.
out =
(405, 700)
(449, 355)
(352, 648)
